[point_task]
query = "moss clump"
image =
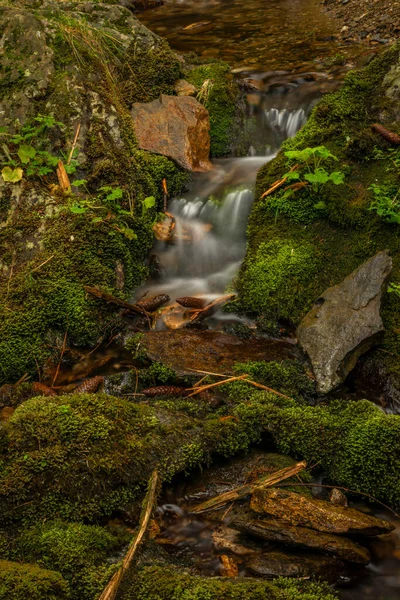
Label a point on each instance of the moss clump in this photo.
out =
(163, 583)
(288, 377)
(19, 582)
(79, 552)
(281, 278)
(219, 94)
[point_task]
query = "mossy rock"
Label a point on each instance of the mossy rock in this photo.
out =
(163, 583)
(85, 555)
(83, 457)
(300, 245)
(22, 581)
(75, 61)
(220, 95)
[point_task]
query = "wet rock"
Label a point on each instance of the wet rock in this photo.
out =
(316, 514)
(227, 539)
(345, 322)
(176, 127)
(289, 535)
(279, 564)
(337, 497)
(185, 350)
(184, 88)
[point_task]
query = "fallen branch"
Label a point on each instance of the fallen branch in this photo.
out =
(136, 308)
(387, 135)
(278, 183)
(211, 308)
(113, 585)
(245, 490)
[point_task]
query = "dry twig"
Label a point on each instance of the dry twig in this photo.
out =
(244, 490)
(112, 587)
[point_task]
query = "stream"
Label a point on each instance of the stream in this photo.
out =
(289, 50)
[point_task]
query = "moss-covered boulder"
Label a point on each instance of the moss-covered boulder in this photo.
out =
(21, 581)
(83, 457)
(163, 583)
(302, 241)
(69, 74)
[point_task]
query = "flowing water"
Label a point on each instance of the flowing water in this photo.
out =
(211, 219)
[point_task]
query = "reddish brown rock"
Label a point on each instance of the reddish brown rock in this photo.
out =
(177, 127)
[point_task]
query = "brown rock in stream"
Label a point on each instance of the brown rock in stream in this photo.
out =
(279, 564)
(187, 350)
(177, 127)
(275, 531)
(316, 514)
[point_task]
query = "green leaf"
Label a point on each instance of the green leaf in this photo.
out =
(320, 205)
(25, 153)
(97, 219)
(115, 194)
(149, 202)
(3, 129)
(301, 155)
(337, 177)
(77, 209)
(291, 175)
(12, 175)
(319, 176)
(79, 182)
(70, 169)
(323, 152)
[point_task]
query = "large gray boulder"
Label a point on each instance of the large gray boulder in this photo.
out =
(345, 322)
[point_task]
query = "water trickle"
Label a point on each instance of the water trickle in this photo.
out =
(210, 228)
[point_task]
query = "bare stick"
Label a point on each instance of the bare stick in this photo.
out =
(78, 129)
(203, 388)
(278, 183)
(112, 587)
(43, 263)
(240, 492)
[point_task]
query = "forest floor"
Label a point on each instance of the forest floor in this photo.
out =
(377, 21)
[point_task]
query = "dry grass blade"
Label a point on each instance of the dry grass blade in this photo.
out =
(278, 184)
(203, 388)
(61, 357)
(243, 377)
(78, 129)
(268, 389)
(112, 587)
(244, 490)
(63, 178)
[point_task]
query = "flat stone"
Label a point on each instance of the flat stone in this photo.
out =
(345, 322)
(185, 350)
(316, 514)
(279, 564)
(276, 531)
(226, 539)
(176, 127)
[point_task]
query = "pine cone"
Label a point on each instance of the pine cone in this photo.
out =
(90, 385)
(192, 302)
(164, 390)
(151, 304)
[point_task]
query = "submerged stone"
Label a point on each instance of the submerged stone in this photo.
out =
(176, 127)
(345, 322)
(316, 514)
(185, 350)
(279, 564)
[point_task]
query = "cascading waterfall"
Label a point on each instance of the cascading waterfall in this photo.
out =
(211, 221)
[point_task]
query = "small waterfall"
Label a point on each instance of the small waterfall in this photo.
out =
(211, 221)
(286, 122)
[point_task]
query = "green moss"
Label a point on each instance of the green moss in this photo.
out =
(288, 377)
(79, 552)
(219, 94)
(163, 583)
(282, 277)
(19, 582)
